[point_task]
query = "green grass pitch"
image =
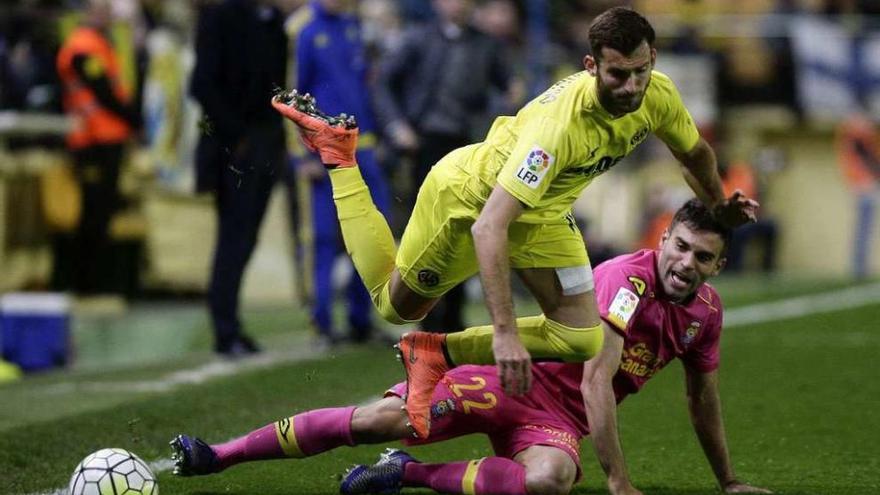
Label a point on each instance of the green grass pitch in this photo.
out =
(800, 398)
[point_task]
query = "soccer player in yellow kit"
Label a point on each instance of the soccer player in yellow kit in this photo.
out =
(505, 203)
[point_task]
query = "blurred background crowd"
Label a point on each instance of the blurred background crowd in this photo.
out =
(191, 202)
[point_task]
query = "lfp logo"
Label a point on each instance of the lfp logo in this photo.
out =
(533, 168)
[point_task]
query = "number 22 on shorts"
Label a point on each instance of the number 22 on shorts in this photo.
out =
(479, 383)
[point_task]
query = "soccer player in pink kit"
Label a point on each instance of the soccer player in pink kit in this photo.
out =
(655, 307)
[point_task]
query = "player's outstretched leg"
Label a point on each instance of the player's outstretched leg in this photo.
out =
(303, 435)
(365, 231)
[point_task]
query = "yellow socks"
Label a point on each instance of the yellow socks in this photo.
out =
(544, 339)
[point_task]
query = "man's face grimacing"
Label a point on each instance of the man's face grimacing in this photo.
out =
(622, 80)
(688, 257)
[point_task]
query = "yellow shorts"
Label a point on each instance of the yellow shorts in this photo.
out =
(437, 253)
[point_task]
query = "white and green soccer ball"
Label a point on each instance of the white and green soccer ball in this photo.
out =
(113, 472)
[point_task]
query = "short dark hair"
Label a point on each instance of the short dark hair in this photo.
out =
(620, 28)
(697, 216)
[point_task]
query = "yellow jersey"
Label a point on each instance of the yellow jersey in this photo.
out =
(563, 139)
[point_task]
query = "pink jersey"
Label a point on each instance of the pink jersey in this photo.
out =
(469, 399)
(655, 330)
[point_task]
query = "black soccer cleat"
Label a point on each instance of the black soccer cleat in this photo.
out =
(193, 457)
(385, 477)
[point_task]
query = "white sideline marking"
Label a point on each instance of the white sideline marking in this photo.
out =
(193, 376)
(794, 307)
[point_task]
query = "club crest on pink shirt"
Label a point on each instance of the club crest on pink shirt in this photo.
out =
(442, 408)
(691, 333)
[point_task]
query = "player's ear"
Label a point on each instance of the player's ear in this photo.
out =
(664, 238)
(653, 56)
(590, 64)
(722, 262)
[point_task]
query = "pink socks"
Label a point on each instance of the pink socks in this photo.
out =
(495, 475)
(303, 435)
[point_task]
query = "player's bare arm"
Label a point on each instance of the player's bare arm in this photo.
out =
(704, 405)
(700, 170)
(601, 409)
(490, 243)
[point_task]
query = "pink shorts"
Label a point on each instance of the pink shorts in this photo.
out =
(469, 399)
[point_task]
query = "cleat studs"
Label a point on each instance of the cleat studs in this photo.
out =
(413, 430)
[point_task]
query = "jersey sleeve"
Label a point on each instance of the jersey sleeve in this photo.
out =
(542, 151)
(704, 355)
(677, 128)
(618, 298)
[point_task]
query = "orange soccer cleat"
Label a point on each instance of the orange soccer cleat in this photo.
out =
(425, 363)
(333, 138)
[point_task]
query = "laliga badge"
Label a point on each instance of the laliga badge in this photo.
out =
(532, 170)
(623, 307)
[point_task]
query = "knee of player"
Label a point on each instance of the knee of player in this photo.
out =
(549, 479)
(391, 315)
(381, 421)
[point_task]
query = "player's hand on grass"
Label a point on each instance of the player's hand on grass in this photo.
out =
(737, 210)
(514, 363)
(737, 487)
(623, 487)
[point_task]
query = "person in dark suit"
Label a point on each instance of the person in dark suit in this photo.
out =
(241, 56)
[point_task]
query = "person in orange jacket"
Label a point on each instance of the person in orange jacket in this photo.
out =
(104, 119)
(743, 176)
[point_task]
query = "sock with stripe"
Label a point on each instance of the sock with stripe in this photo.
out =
(490, 475)
(303, 435)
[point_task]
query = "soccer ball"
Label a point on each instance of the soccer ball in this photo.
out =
(113, 472)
